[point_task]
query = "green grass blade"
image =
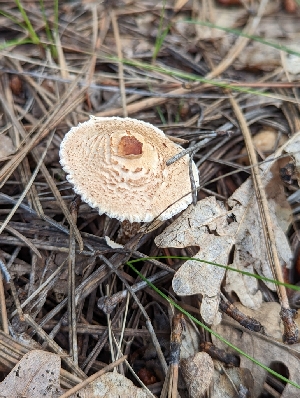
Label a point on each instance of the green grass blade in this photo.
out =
(252, 37)
(195, 78)
(259, 277)
(15, 42)
(161, 115)
(47, 27)
(56, 17)
(34, 37)
(160, 34)
(271, 371)
(12, 18)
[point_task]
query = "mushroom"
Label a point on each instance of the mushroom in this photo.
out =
(118, 165)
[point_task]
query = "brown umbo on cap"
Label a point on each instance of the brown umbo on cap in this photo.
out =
(118, 165)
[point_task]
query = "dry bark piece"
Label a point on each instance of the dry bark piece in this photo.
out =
(118, 165)
(197, 372)
(220, 355)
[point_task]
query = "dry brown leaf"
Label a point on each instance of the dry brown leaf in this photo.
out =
(209, 226)
(227, 18)
(38, 375)
(265, 142)
(206, 225)
(35, 376)
(265, 350)
(250, 252)
(268, 315)
(231, 381)
(111, 385)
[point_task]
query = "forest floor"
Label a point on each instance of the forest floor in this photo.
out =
(221, 79)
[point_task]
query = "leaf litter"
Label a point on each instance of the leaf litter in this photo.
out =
(46, 90)
(217, 230)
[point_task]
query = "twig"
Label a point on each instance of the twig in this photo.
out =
(3, 311)
(194, 148)
(112, 351)
(192, 180)
(108, 303)
(175, 346)
(9, 280)
(41, 288)
(244, 320)
(71, 287)
(131, 369)
(100, 343)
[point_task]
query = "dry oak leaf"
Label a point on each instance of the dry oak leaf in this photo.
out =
(215, 230)
(232, 382)
(265, 350)
(250, 249)
(35, 376)
(206, 225)
(112, 385)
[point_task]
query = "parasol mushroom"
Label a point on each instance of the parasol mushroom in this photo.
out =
(118, 165)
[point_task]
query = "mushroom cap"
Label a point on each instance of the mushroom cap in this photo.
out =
(118, 165)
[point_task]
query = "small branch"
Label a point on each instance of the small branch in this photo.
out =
(71, 285)
(3, 311)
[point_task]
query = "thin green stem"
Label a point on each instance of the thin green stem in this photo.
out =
(35, 39)
(12, 18)
(259, 277)
(237, 32)
(271, 371)
(160, 34)
(56, 17)
(47, 28)
(195, 78)
(16, 42)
